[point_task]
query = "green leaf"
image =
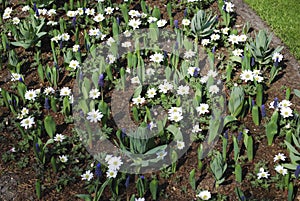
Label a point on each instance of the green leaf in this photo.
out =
(153, 188)
(297, 92)
(192, 179)
(50, 126)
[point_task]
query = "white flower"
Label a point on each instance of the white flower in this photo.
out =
(90, 11)
(111, 173)
(212, 73)
(88, 175)
(164, 88)
(204, 79)
(157, 57)
(6, 15)
(258, 78)
(127, 33)
(56, 38)
(186, 22)
(262, 174)
(152, 125)
(205, 42)
(215, 37)
(24, 111)
(8, 10)
(126, 44)
(110, 41)
(150, 71)
(80, 11)
(94, 116)
(175, 116)
(71, 13)
(238, 52)
(42, 11)
(75, 48)
(135, 80)
(30, 95)
(51, 12)
(16, 76)
(114, 163)
(189, 54)
(180, 145)
(234, 39)
(161, 154)
(49, 90)
(152, 19)
(183, 90)
(151, 93)
(196, 129)
(99, 18)
(94, 94)
(229, 7)
(134, 13)
(203, 108)
(52, 23)
(59, 138)
(279, 156)
(111, 58)
(213, 89)
(74, 64)
(191, 70)
(63, 158)
(16, 20)
(277, 57)
(28, 122)
(134, 23)
(285, 103)
(286, 112)
(225, 30)
(94, 32)
(281, 170)
(26, 8)
(247, 75)
(65, 91)
(175, 109)
(204, 195)
(161, 23)
(138, 100)
(242, 38)
(109, 10)
(65, 36)
(139, 199)
(256, 72)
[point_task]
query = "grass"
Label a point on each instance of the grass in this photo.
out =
(283, 17)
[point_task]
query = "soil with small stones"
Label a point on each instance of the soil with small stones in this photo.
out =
(19, 184)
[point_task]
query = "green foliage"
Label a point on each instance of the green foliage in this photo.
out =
(203, 24)
(236, 101)
(272, 127)
(218, 167)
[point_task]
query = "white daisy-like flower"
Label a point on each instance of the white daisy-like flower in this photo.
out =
(114, 163)
(135, 23)
(94, 116)
(285, 103)
(30, 95)
(152, 19)
(59, 137)
(203, 108)
(191, 70)
(164, 88)
(262, 174)
(90, 11)
(161, 23)
(26, 8)
(279, 156)
(52, 23)
(205, 42)
(126, 44)
(161, 154)
(110, 41)
(286, 112)
(28, 122)
(186, 22)
(233, 39)
(24, 111)
(196, 129)
(6, 15)
(16, 76)
(157, 57)
(189, 54)
(180, 145)
(204, 195)
(56, 38)
(63, 158)
(281, 170)
(213, 89)
(127, 33)
(151, 92)
(72, 13)
(139, 199)
(138, 100)
(75, 48)
(42, 11)
(109, 10)
(65, 91)
(256, 72)
(225, 30)
(152, 125)
(175, 116)
(238, 52)
(150, 71)
(111, 58)
(94, 94)
(175, 110)
(134, 13)
(247, 75)
(51, 12)
(80, 11)
(94, 32)
(212, 73)
(258, 78)
(229, 7)
(242, 38)
(183, 90)
(135, 80)
(49, 90)
(277, 57)
(16, 20)
(111, 173)
(215, 37)
(99, 18)
(74, 64)
(204, 79)
(88, 175)
(65, 36)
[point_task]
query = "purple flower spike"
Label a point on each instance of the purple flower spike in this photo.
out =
(176, 24)
(263, 111)
(46, 105)
(98, 171)
(101, 80)
(240, 136)
(127, 181)
(297, 172)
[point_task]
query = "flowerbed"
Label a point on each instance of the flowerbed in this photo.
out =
(137, 101)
